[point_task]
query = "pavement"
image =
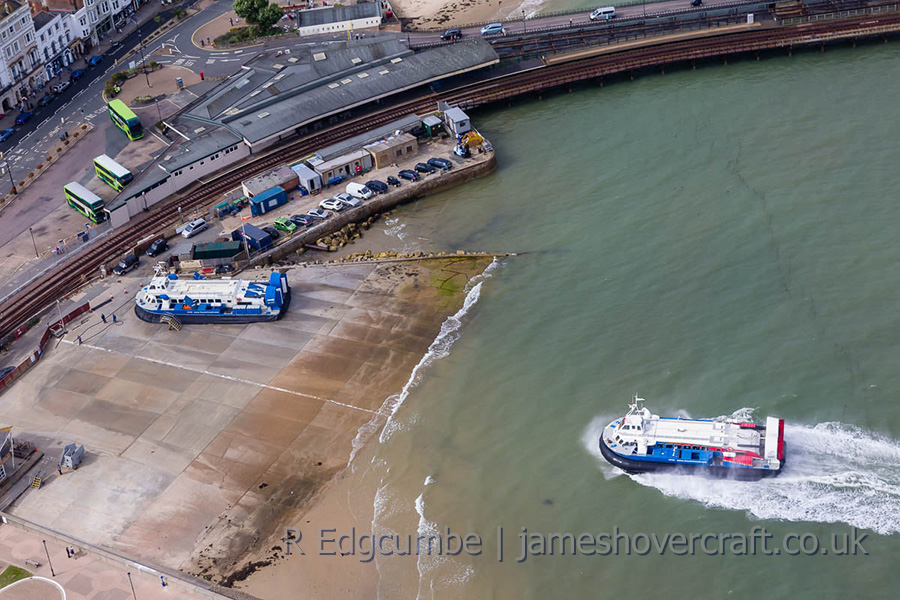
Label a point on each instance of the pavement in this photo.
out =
(84, 577)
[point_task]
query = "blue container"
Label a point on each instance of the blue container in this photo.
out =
(253, 236)
(268, 200)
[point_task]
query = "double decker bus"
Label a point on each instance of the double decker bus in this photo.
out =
(112, 173)
(125, 119)
(85, 201)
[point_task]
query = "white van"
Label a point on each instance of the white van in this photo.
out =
(358, 190)
(603, 14)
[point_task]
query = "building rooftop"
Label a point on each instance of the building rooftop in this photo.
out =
(337, 14)
(42, 19)
(279, 92)
(373, 135)
(9, 7)
(388, 143)
(150, 176)
(205, 140)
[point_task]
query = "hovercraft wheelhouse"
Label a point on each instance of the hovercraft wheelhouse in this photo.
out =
(641, 441)
(200, 300)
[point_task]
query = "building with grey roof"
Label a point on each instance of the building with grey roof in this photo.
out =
(275, 96)
(331, 19)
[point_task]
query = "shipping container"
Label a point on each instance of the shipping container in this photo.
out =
(208, 250)
(268, 200)
(255, 237)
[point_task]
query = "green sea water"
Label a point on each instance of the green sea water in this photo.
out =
(716, 241)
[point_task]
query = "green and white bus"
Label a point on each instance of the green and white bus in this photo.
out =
(112, 173)
(85, 201)
(125, 119)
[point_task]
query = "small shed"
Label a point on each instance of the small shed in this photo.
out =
(281, 176)
(209, 250)
(268, 200)
(393, 149)
(255, 237)
(432, 125)
(347, 165)
(457, 121)
(309, 179)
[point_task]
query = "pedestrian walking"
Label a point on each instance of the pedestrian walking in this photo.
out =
(59, 470)
(102, 316)
(230, 20)
(570, 22)
(79, 340)
(162, 580)
(114, 317)
(202, 44)
(68, 552)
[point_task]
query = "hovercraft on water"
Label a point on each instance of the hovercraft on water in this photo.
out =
(642, 442)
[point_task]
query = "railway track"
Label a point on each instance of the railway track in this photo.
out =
(69, 276)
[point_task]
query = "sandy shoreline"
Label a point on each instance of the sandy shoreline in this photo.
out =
(441, 14)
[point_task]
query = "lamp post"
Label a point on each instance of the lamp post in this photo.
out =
(133, 595)
(36, 255)
(52, 573)
(523, 21)
(61, 322)
(143, 64)
(12, 185)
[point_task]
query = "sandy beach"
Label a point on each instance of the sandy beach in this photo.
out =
(441, 14)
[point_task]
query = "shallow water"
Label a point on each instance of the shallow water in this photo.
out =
(714, 240)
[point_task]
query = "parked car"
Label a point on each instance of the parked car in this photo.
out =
(696, 3)
(379, 187)
(273, 233)
(46, 100)
(58, 88)
(408, 175)
(129, 263)
(393, 181)
(4, 135)
(116, 45)
(78, 74)
(302, 220)
(451, 34)
(318, 213)
(350, 201)
(23, 118)
(440, 163)
(425, 168)
(157, 247)
(95, 60)
(285, 224)
(6, 371)
(332, 204)
(492, 29)
(193, 228)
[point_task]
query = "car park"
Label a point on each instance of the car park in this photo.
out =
(440, 163)
(23, 118)
(4, 134)
(379, 187)
(61, 86)
(393, 181)
(78, 74)
(46, 100)
(492, 29)
(273, 233)
(302, 220)
(157, 247)
(95, 60)
(285, 224)
(408, 175)
(425, 168)
(451, 34)
(332, 204)
(193, 228)
(318, 213)
(129, 263)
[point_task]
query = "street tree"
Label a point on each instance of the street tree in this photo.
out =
(260, 13)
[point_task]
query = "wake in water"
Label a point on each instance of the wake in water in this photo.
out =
(834, 473)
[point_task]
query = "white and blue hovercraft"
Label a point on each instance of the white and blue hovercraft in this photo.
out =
(642, 442)
(200, 300)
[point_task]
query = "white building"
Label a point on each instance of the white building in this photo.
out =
(20, 68)
(334, 19)
(93, 20)
(53, 39)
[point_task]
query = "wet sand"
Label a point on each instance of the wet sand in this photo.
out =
(442, 14)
